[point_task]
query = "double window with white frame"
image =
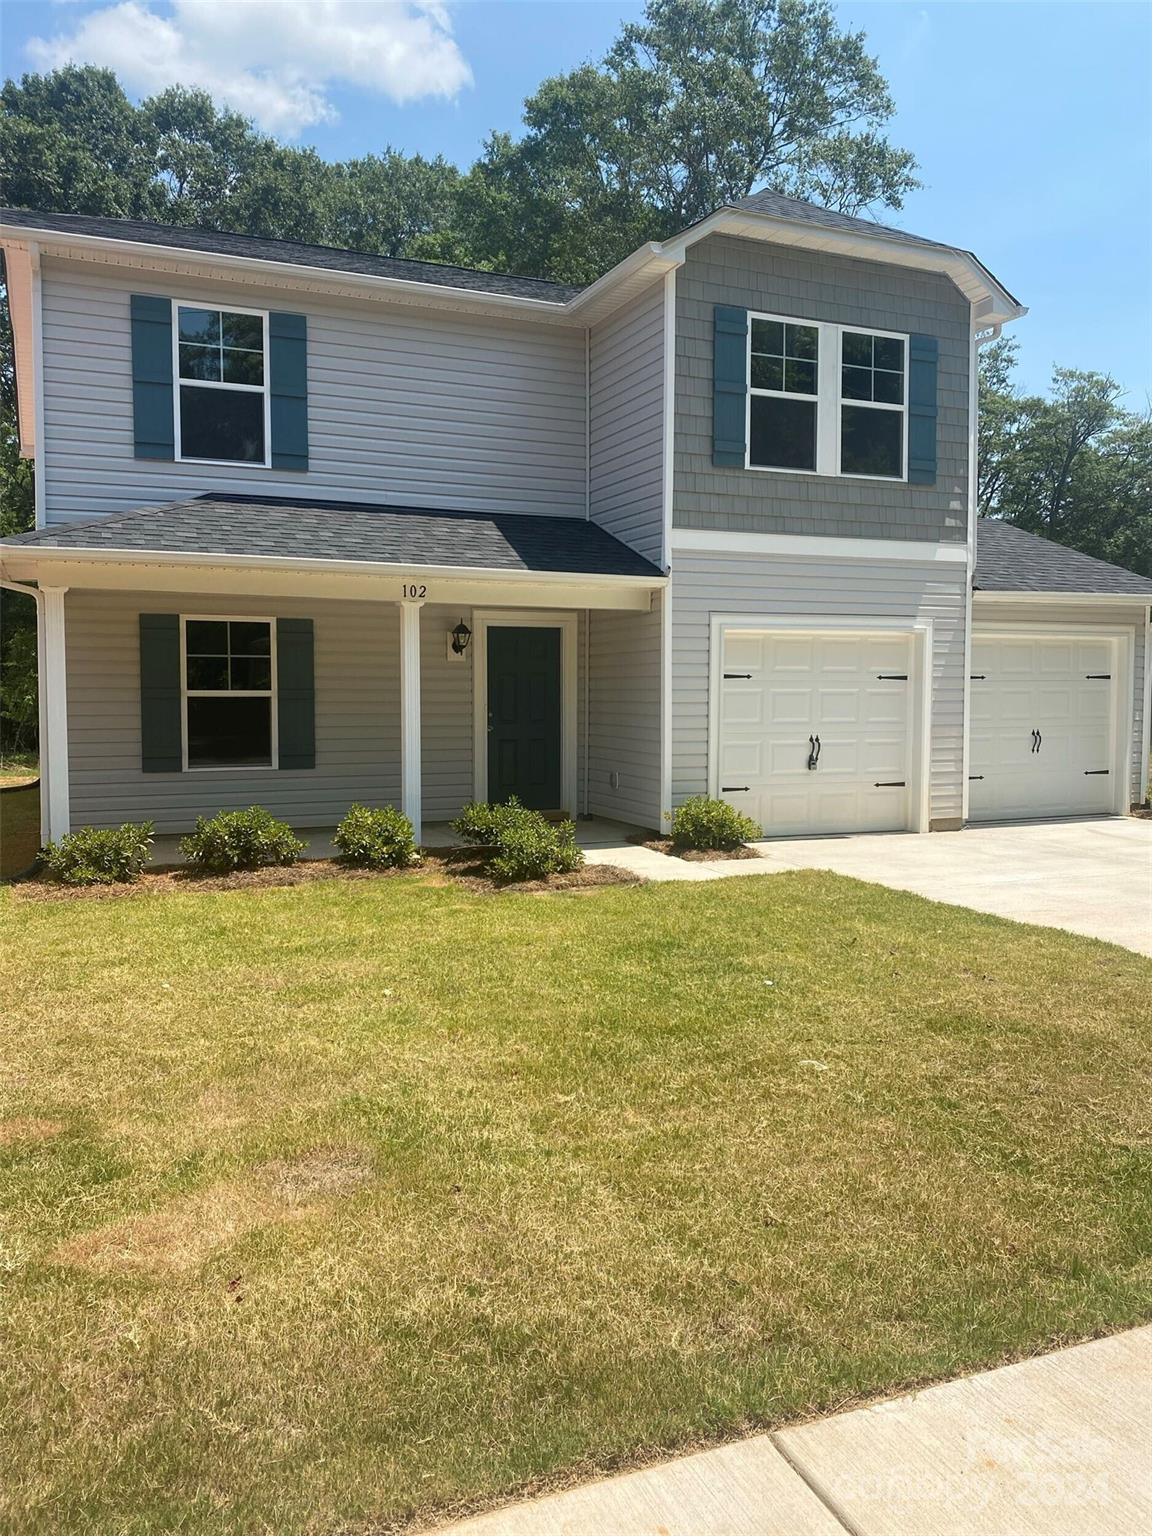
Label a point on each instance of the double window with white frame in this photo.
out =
(222, 404)
(229, 692)
(827, 399)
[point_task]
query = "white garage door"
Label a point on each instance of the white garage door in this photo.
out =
(1043, 723)
(815, 730)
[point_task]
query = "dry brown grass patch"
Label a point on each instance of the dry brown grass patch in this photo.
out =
(28, 1129)
(181, 1235)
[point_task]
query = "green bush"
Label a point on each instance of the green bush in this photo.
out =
(99, 855)
(240, 840)
(521, 844)
(382, 837)
(704, 823)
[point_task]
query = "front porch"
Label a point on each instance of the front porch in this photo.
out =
(178, 684)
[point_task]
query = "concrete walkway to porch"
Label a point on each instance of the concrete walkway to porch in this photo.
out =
(1055, 1446)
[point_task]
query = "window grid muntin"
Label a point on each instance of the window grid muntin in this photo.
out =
(269, 693)
(180, 382)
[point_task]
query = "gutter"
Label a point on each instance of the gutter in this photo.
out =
(55, 552)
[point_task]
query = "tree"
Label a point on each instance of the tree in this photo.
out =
(692, 108)
(1075, 466)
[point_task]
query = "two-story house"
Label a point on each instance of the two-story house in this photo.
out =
(317, 527)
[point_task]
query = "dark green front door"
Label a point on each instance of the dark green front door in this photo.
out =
(524, 716)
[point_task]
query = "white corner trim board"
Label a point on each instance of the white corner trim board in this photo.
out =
(721, 542)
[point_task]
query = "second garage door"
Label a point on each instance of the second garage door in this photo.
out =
(1043, 727)
(814, 730)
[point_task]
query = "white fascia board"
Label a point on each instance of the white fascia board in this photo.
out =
(994, 304)
(298, 275)
(1115, 599)
(36, 552)
(706, 541)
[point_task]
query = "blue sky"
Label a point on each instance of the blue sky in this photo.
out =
(1032, 121)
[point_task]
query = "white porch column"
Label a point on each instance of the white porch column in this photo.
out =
(410, 712)
(54, 711)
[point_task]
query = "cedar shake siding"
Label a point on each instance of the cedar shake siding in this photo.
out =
(809, 285)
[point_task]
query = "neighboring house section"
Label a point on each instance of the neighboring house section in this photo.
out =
(316, 526)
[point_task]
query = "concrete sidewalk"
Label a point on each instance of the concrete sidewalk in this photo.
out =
(1056, 1446)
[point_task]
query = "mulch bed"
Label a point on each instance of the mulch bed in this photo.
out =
(693, 855)
(438, 866)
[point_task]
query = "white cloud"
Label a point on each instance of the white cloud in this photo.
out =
(274, 60)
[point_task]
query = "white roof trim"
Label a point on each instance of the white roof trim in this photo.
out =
(26, 555)
(992, 304)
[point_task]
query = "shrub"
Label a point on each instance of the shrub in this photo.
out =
(704, 823)
(480, 823)
(521, 844)
(382, 838)
(99, 855)
(240, 840)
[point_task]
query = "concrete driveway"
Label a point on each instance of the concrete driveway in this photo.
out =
(1091, 877)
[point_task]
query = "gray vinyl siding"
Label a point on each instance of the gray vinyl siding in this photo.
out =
(357, 716)
(626, 431)
(1121, 616)
(624, 655)
(810, 285)
(445, 715)
(408, 406)
(811, 589)
(357, 677)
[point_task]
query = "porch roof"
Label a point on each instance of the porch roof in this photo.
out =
(285, 529)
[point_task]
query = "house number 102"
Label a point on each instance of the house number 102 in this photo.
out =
(412, 590)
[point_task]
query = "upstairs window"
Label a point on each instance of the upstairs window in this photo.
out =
(872, 405)
(228, 683)
(826, 399)
(222, 414)
(783, 378)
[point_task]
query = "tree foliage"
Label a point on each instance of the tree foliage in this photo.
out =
(1073, 466)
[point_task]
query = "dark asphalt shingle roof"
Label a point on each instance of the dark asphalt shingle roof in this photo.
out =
(800, 212)
(1009, 559)
(293, 252)
(294, 528)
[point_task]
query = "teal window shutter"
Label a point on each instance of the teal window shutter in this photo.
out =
(923, 358)
(161, 744)
(288, 384)
(152, 377)
(295, 693)
(730, 386)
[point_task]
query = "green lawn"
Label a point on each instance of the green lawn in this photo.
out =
(333, 1207)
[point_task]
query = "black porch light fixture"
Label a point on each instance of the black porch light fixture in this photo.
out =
(460, 638)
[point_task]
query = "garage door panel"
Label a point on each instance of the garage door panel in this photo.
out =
(825, 685)
(1061, 687)
(790, 706)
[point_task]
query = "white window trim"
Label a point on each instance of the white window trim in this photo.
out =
(187, 693)
(248, 389)
(828, 400)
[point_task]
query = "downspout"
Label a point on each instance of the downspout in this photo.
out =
(978, 341)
